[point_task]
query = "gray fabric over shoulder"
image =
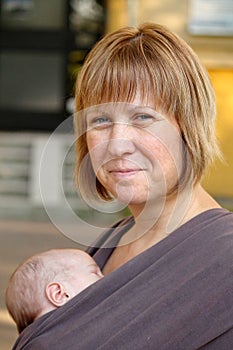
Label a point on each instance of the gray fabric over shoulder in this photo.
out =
(177, 295)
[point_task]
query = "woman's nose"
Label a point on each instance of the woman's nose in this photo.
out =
(121, 141)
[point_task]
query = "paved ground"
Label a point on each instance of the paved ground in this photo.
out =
(19, 240)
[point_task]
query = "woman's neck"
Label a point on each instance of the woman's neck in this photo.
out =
(155, 223)
(150, 229)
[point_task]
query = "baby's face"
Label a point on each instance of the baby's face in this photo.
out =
(84, 272)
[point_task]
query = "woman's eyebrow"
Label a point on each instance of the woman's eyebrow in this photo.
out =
(96, 112)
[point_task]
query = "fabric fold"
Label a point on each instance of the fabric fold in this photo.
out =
(176, 295)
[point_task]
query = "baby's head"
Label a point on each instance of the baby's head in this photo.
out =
(47, 281)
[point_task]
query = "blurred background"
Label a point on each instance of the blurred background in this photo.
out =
(42, 47)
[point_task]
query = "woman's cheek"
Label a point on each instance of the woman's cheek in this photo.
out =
(162, 161)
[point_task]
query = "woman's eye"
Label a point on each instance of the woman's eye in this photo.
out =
(143, 119)
(100, 122)
(143, 116)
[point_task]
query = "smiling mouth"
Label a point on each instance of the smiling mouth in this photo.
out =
(124, 172)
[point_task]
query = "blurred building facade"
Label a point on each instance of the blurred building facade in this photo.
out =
(42, 47)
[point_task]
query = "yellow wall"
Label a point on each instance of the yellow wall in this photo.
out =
(219, 180)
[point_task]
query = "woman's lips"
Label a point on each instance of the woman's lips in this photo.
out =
(122, 173)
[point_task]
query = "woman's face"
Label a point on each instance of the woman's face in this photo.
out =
(135, 151)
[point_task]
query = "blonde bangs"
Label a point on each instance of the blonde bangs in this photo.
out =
(117, 80)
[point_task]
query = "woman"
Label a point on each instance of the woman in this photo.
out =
(146, 135)
(145, 126)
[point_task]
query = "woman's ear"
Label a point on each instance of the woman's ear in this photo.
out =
(56, 294)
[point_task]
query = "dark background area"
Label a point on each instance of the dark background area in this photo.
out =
(42, 46)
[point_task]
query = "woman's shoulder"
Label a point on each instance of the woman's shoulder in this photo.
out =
(220, 219)
(213, 218)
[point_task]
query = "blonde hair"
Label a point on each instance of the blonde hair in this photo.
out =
(164, 69)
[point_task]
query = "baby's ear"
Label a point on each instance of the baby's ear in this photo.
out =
(57, 294)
